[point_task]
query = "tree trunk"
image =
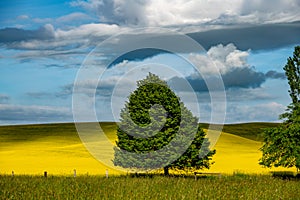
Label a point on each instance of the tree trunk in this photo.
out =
(166, 171)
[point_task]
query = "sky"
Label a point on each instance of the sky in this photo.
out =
(65, 60)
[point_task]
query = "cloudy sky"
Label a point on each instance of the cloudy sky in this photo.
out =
(105, 46)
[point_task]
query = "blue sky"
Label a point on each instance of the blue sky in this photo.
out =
(44, 44)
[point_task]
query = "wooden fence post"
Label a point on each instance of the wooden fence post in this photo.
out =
(74, 172)
(45, 174)
(12, 173)
(106, 173)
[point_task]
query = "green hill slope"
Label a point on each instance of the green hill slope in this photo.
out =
(247, 130)
(21, 133)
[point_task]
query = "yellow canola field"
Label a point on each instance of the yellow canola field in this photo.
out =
(56, 158)
(236, 154)
(61, 157)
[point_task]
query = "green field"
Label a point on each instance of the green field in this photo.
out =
(157, 187)
(250, 131)
(57, 149)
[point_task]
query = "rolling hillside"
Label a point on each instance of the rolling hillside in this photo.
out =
(56, 148)
(247, 130)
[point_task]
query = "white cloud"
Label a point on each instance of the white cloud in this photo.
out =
(187, 12)
(73, 17)
(220, 59)
(117, 11)
(12, 113)
(249, 94)
(88, 30)
(4, 98)
(23, 17)
(266, 7)
(182, 12)
(237, 112)
(158, 12)
(75, 40)
(64, 20)
(88, 5)
(42, 20)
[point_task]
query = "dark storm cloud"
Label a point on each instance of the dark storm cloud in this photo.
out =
(54, 65)
(235, 78)
(137, 55)
(146, 45)
(82, 40)
(243, 78)
(63, 66)
(260, 37)
(9, 35)
(275, 75)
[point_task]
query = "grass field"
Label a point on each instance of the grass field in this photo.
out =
(57, 149)
(157, 187)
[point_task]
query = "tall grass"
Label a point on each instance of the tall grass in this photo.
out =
(156, 187)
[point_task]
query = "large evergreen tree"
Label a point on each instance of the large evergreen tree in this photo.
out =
(282, 144)
(156, 131)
